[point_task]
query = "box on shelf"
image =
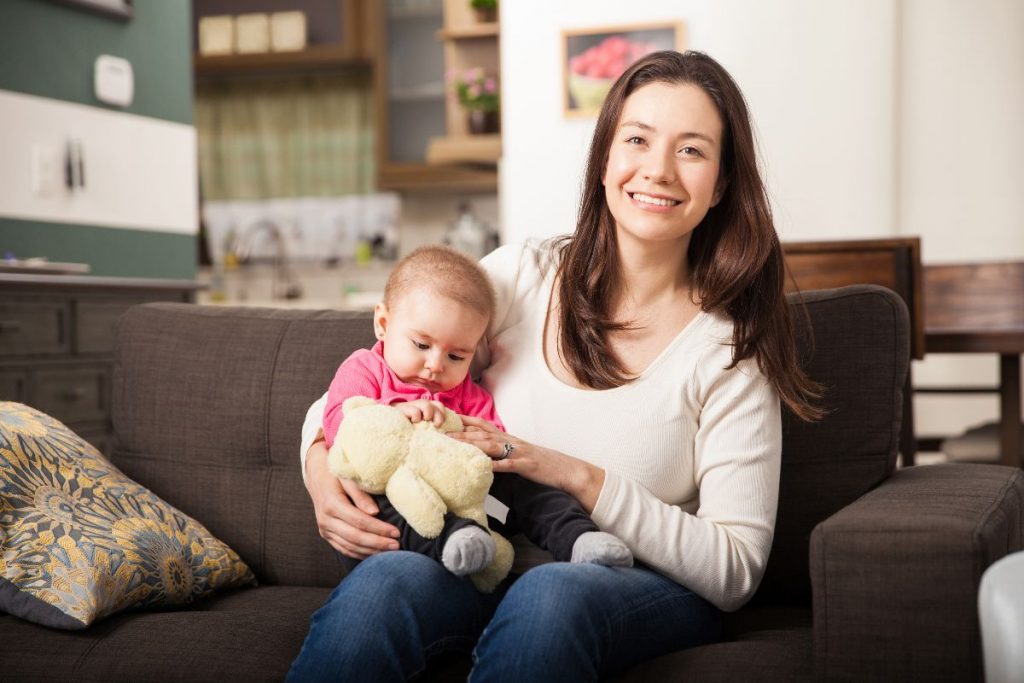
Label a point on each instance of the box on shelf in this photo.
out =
(217, 35)
(252, 33)
(287, 31)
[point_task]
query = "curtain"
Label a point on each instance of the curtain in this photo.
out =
(310, 136)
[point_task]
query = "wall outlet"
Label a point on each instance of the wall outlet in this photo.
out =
(47, 170)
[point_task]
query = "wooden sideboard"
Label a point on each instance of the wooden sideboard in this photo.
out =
(57, 342)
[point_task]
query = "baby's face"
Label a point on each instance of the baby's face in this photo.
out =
(429, 339)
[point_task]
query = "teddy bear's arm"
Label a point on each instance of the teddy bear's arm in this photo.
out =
(339, 464)
(417, 502)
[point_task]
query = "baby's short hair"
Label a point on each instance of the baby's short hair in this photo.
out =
(447, 272)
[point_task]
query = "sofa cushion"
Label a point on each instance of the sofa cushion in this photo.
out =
(222, 392)
(758, 644)
(80, 540)
(249, 635)
(855, 341)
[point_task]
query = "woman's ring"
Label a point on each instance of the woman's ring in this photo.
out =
(506, 450)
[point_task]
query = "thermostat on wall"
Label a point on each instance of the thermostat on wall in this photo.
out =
(114, 81)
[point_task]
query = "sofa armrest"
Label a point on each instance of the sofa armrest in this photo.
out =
(895, 574)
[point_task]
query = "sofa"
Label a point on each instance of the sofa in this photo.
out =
(873, 575)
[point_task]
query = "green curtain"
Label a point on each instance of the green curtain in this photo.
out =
(310, 136)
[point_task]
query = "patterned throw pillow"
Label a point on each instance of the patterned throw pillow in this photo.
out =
(79, 540)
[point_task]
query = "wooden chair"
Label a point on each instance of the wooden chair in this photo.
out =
(979, 308)
(891, 262)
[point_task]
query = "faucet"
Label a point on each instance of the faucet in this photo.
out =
(284, 285)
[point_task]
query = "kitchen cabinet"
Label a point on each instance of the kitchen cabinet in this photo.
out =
(338, 36)
(57, 342)
(413, 107)
(469, 42)
(409, 45)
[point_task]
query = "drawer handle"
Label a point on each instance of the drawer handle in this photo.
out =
(73, 394)
(10, 325)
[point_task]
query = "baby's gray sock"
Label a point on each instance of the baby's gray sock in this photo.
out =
(598, 547)
(468, 550)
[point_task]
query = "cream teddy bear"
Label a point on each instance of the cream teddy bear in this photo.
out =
(424, 475)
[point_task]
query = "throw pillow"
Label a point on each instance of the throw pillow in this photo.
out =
(79, 540)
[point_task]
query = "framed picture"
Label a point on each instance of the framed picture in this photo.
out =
(593, 58)
(121, 10)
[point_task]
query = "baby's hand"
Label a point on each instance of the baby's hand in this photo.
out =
(431, 411)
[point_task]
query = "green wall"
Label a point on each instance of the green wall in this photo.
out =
(48, 49)
(112, 251)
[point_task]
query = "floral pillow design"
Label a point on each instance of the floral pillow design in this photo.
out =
(79, 540)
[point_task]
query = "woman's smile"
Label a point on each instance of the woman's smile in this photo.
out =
(653, 202)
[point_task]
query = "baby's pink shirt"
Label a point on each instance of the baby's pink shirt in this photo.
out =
(365, 373)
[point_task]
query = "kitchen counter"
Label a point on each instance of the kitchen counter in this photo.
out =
(348, 287)
(35, 281)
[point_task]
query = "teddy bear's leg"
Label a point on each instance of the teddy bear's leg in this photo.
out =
(468, 550)
(417, 502)
(475, 513)
(489, 578)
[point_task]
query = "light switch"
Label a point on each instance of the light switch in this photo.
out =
(46, 170)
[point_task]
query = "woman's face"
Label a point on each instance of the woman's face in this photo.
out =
(662, 173)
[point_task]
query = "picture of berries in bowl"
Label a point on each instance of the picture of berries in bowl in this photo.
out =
(593, 71)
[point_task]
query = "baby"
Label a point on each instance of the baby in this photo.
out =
(437, 305)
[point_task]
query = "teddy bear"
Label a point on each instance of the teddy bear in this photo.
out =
(423, 473)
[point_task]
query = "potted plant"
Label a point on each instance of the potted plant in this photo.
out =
(478, 94)
(486, 10)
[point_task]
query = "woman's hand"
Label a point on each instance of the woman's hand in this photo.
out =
(344, 512)
(579, 479)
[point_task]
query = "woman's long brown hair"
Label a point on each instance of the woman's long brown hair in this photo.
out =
(734, 254)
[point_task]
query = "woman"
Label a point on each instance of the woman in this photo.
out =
(638, 365)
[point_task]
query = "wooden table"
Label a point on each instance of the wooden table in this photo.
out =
(979, 308)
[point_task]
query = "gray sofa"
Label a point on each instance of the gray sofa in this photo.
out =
(873, 575)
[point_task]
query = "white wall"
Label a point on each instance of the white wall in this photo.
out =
(961, 134)
(817, 94)
(962, 128)
(875, 117)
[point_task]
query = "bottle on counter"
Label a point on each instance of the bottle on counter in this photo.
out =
(468, 234)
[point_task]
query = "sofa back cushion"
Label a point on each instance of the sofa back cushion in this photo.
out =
(207, 408)
(855, 341)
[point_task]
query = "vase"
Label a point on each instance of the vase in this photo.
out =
(486, 15)
(483, 122)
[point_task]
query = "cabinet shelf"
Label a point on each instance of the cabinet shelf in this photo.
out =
(462, 149)
(425, 178)
(313, 57)
(423, 91)
(414, 13)
(489, 30)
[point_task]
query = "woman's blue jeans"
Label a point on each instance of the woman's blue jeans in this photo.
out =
(559, 621)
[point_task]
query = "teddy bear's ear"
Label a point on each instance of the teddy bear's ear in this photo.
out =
(355, 402)
(452, 422)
